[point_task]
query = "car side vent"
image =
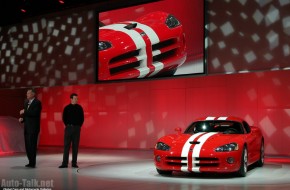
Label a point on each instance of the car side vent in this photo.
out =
(194, 142)
(131, 26)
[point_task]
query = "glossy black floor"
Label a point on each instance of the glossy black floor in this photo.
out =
(126, 170)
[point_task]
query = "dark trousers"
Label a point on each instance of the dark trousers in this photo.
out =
(30, 139)
(71, 137)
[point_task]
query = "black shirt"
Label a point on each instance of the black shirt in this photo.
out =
(73, 114)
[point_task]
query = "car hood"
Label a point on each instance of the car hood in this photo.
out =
(209, 140)
(106, 32)
(121, 38)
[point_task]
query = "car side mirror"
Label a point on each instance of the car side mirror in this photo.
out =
(178, 130)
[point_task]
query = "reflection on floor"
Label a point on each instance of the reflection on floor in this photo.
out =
(126, 170)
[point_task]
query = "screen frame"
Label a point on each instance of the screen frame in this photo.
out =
(187, 75)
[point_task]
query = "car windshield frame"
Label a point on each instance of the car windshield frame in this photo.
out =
(217, 126)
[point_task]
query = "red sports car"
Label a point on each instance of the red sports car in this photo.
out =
(151, 45)
(211, 144)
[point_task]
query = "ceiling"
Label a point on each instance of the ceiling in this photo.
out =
(15, 11)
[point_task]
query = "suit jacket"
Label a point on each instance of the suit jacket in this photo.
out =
(31, 116)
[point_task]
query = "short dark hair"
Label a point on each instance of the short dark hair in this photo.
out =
(32, 90)
(72, 95)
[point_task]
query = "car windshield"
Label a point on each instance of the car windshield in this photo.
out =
(225, 127)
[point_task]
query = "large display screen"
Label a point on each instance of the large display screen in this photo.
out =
(160, 39)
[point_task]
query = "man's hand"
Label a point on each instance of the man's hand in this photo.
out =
(21, 112)
(20, 120)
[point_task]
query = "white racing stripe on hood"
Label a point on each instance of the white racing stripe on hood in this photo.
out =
(222, 118)
(210, 118)
(138, 41)
(154, 39)
(196, 150)
(186, 148)
(136, 37)
(218, 118)
(149, 32)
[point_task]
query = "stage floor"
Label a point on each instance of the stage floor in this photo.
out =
(128, 169)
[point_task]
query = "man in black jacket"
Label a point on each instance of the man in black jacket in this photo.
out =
(73, 119)
(30, 116)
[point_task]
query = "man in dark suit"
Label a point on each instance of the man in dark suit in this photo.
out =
(73, 119)
(30, 116)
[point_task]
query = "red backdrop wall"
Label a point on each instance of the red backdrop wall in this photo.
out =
(136, 114)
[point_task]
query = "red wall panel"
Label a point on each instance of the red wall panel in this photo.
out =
(12, 101)
(136, 114)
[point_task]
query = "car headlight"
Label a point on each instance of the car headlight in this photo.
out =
(162, 146)
(172, 22)
(227, 147)
(103, 45)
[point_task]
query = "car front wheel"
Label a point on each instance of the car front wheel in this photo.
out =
(244, 164)
(260, 162)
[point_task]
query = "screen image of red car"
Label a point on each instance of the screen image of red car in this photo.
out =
(152, 45)
(211, 144)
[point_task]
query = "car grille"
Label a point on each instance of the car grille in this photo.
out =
(166, 48)
(197, 161)
(176, 161)
(124, 62)
(160, 52)
(206, 161)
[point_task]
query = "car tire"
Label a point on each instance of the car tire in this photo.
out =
(164, 172)
(244, 163)
(260, 162)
